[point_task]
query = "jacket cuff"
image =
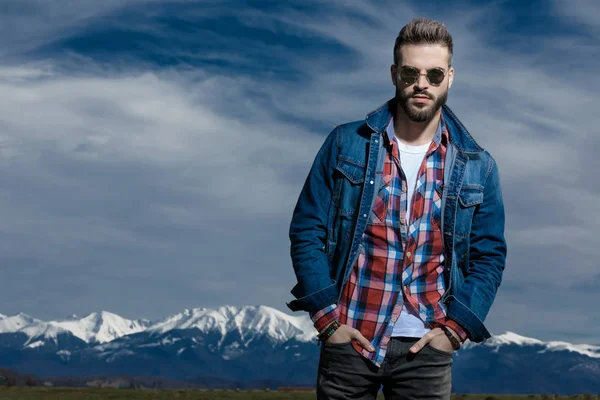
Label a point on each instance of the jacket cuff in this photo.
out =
(315, 301)
(324, 317)
(460, 313)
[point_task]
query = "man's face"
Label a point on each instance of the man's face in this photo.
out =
(421, 99)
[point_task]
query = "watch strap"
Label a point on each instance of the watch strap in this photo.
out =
(451, 337)
(327, 332)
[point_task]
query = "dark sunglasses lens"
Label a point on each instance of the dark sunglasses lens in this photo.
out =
(435, 76)
(409, 75)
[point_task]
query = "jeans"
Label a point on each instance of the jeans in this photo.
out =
(345, 374)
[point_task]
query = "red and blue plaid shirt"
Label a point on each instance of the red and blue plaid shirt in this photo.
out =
(397, 258)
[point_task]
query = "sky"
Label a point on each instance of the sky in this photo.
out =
(152, 151)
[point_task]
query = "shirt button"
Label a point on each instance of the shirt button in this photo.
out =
(408, 254)
(403, 221)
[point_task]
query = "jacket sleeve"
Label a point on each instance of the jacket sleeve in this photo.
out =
(487, 258)
(315, 289)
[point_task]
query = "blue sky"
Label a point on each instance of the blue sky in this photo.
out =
(152, 151)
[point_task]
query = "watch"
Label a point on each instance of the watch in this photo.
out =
(327, 332)
(451, 337)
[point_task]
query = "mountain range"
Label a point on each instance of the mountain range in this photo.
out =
(258, 346)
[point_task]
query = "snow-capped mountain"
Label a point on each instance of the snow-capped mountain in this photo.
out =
(97, 327)
(252, 346)
(510, 338)
(102, 327)
(17, 322)
(249, 321)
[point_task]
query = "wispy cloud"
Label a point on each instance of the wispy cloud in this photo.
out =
(580, 11)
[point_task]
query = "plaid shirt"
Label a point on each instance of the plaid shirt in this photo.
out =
(397, 258)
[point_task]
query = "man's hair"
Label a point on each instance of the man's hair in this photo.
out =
(423, 31)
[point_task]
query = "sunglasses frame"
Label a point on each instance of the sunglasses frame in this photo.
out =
(399, 68)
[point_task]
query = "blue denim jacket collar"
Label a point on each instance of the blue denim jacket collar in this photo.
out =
(378, 120)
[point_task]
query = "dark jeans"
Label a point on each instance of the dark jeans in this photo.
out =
(345, 374)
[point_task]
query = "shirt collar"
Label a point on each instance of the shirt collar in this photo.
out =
(441, 131)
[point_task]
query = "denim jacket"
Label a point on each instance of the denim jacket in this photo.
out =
(331, 215)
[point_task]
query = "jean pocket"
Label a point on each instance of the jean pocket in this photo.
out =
(339, 356)
(438, 351)
(327, 344)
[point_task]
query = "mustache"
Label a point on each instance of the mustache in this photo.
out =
(429, 95)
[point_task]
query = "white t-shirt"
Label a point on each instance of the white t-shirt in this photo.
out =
(411, 158)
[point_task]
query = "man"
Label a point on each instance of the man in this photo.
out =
(397, 239)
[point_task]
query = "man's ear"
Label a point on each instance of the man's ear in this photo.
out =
(394, 74)
(450, 77)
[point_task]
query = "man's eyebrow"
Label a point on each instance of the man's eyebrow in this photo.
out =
(426, 69)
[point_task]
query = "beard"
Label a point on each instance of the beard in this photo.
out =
(426, 113)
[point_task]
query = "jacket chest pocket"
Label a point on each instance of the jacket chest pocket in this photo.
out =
(350, 177)
(469, 198)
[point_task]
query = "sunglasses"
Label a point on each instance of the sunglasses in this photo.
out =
(409, 75)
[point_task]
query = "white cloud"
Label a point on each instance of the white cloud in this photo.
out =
(153, 120)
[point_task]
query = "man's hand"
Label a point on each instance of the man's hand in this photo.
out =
(437, 339)
(345, 334)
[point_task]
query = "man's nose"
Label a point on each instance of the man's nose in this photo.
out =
(421, 82)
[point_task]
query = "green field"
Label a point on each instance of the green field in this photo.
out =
(27, 393)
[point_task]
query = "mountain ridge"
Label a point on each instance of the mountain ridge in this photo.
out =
(249, 345)
(105, 326)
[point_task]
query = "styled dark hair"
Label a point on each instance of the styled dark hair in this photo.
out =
(423, 31)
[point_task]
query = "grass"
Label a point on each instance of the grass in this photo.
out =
(32, 393)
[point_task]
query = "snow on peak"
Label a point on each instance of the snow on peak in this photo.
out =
(30, 326)
(512, 338)
(585, 349)
(506, 339)
(249, 321)
(275, 323)
(102, 327)
(16, 323)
